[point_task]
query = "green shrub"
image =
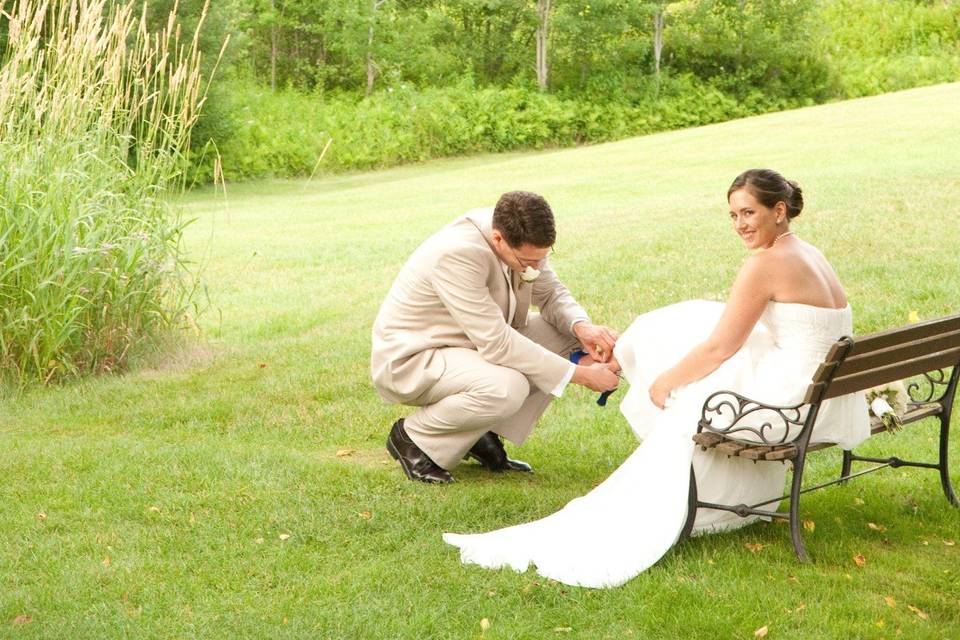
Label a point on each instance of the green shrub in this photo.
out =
(94, 117)
(892, 45)
(722, 61)
(284, 133)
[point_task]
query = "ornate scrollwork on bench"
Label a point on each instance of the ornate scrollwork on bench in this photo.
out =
(777, 425)
(931, 387)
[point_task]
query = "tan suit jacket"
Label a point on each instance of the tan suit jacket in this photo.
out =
(453, 292)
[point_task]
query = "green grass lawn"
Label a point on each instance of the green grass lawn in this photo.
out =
(241, 488)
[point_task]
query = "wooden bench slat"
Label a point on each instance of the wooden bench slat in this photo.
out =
(814, 391)
(895, 354)
(882, 375)
(830, 361)
(707, 439)
(787, 452)
(884, 339)
(756, 453)
(731, 447)
(824, 372)
(920, 412)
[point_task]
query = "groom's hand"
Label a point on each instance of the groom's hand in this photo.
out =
(598, 377)
(596, 340)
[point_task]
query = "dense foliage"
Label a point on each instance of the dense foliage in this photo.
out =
(328, 85)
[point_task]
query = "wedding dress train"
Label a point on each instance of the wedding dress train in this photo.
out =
(629, 521)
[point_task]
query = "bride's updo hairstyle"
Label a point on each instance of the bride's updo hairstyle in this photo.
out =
(769, 187)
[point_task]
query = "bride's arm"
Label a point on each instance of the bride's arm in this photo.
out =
(749, 296)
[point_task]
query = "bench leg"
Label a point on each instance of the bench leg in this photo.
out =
(847, 464)
(691, 507)
(944, 458)
(795, 509)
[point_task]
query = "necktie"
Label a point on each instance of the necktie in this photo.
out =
(522, 292)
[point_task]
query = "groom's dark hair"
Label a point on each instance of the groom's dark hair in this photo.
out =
(524, 218)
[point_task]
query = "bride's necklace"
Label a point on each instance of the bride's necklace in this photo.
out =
(785, 233)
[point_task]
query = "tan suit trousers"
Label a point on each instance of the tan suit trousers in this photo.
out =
(474, 396)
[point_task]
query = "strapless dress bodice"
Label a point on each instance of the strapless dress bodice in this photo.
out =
(804, 328)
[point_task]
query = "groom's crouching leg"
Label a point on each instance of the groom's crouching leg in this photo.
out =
(489, 452)
(416, 464)
(447, 429)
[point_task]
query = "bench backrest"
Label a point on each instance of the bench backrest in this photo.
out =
(880, 358)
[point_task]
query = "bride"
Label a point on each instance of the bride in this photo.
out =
(786, 308)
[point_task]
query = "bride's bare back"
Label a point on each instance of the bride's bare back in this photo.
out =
(800, 274)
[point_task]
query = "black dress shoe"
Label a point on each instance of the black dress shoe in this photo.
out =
(416, 464)
(489, 452)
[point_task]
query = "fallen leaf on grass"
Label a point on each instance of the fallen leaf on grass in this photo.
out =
(876, 527)
(949, 543)
(484, 624)
(284, 536)
(761, 632)
(754, 546)
(262, 365)
(341, 453)
(920, 614)
(859, 559)
(890, 601)
(366, 515)
(809, 525)
(21, 619)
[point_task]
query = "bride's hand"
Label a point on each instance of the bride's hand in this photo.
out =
(660, 391)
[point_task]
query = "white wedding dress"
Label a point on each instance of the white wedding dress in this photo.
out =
(629, 521)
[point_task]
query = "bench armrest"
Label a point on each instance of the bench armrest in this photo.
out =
(737, 417)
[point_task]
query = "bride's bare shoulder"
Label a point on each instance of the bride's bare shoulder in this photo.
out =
(765, 259)
(759, 269)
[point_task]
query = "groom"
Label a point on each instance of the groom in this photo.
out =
(455, 339)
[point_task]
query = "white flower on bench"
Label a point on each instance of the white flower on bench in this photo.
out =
(888, 402)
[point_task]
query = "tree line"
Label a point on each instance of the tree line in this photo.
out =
(559, 46)
(512, 74)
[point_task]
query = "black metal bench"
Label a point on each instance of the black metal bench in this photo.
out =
(925, 356)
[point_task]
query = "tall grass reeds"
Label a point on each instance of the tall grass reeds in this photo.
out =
(95, 121)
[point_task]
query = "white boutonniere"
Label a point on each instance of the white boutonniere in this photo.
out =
(888, 402)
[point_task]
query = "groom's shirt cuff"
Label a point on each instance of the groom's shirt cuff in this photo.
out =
(558, 390)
